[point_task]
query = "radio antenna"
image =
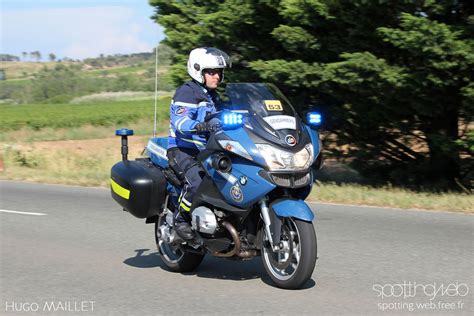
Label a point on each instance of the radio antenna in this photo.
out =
(156, 87)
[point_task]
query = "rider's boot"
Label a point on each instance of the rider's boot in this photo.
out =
(182, 225)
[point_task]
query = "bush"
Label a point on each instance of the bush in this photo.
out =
(61, 98)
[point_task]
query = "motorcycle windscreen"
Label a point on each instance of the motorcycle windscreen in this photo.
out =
(271, 114)
(263, 99)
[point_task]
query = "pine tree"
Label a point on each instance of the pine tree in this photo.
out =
(393, 78)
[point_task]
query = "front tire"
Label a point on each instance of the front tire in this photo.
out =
(173, 256)
(292, 266)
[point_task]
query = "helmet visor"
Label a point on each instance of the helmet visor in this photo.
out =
(219, 54)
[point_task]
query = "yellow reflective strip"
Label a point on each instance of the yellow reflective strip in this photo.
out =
(121, 191)
(193, 141)
(184, 207)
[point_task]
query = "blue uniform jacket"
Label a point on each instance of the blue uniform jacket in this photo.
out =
(189, 106)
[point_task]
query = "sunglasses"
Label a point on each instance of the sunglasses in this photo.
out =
(212, 72)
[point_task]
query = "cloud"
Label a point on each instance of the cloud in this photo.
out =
(78, 32)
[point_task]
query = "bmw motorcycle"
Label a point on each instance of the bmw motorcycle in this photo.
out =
(258, 170)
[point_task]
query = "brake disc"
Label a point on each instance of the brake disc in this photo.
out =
(287, 248)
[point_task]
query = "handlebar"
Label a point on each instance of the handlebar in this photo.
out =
(212, 116)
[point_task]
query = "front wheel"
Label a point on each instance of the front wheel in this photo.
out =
(293, 263)
(171, 254)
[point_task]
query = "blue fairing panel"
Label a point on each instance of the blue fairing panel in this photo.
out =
(157, 148)
(241, 135)
(242, 186)
(293, 208)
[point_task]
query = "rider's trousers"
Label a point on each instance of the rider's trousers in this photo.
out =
(186, 161)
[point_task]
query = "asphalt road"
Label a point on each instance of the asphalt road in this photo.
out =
(85, 255)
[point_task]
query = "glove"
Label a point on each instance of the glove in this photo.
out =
(206, 127)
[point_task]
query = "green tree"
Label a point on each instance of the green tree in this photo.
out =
(8, 57)
(165, 54)
(394, 78)
(55, 85)
(36, 54)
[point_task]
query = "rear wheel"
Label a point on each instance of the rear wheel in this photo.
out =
(171, 254)
(293, 263)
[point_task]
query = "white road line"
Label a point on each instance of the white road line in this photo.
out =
(23, 213)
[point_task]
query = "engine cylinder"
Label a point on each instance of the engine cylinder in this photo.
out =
(204, 220)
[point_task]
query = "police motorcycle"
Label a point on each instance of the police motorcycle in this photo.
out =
(258, 171)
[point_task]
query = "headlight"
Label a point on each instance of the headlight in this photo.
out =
(277, 159)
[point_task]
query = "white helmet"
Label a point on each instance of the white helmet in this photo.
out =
(206, 58)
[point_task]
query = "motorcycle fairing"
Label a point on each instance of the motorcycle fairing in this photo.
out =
(157, 148)
(314, 140)
(242, 186)
(208, 193)
(246, 141)
(293, 208)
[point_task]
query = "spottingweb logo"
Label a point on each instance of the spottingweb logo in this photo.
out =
(411, 296)
(412, 289)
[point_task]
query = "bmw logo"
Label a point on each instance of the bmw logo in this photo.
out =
(243, 180)
(290, 140)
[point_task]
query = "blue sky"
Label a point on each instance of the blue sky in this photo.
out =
(77, 28)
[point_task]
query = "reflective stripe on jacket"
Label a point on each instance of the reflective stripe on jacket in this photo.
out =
(189, 106)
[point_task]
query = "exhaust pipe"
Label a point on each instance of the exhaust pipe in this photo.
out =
(237, 245)
(235, 237)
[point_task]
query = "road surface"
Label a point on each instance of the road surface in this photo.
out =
(85, 255)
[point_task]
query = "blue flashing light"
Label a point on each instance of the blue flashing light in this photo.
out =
(124, 132)
(233, 119)
(314, 118)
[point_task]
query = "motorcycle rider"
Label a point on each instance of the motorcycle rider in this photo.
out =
(190, 104)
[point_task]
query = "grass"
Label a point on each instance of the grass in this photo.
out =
(39, 116)
(60, 165)
(28, 135)
(126, 70)
(119, 96)
(14, 83)
(21, 84)
(78, 162)
(391, 197)
(21, 69)
(119, 70)
(73, 151)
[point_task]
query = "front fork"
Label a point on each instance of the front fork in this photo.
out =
(268, 222)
